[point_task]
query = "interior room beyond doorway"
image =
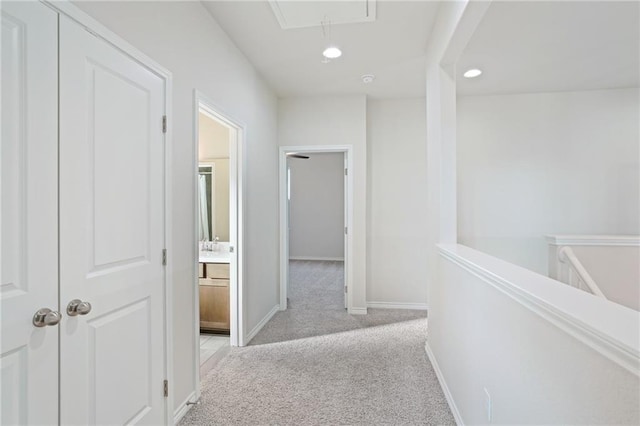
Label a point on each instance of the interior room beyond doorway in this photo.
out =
(213, 206)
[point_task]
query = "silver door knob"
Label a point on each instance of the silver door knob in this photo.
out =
(78, 307)
(46, 316)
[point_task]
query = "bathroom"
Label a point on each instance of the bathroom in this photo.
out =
(212, 205)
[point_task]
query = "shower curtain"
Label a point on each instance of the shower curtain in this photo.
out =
(204, 211)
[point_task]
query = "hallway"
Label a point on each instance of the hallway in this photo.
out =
(316, 306)
(315, 364)
(371, 376)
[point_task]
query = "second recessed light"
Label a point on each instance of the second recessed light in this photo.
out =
(472, 73)
(332, 52)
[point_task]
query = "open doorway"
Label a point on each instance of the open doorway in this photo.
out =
(308, 238)
(315, 197)
(218, 233)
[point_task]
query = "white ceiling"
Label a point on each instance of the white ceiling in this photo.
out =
(553, 46)
(534, 46)
(392, 47)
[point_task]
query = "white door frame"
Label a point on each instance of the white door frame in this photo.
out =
(284, 213)
(96, 28)
(236, 224)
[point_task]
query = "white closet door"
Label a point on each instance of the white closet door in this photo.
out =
(111, 234)
(29, 206)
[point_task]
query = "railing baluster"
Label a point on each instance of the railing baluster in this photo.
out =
(583, 280)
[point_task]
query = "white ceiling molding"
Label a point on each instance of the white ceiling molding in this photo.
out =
(304, 14)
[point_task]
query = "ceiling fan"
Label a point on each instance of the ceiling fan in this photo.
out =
(296, 155)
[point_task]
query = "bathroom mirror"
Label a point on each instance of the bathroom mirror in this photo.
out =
(206, 201)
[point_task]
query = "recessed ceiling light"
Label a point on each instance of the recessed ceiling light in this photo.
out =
(472, 73)
(332, 52)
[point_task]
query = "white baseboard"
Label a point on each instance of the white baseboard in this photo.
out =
(443, 385)
(328, 259)
(183, 408)
(261, 324)
(358, 311)
(385, 305)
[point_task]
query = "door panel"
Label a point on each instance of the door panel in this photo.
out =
(29, 206)
(129, 324)
(112, 233)
(121, 200)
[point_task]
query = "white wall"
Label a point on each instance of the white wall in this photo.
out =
(184, 38)
(337, 120)
(397, 202)
(316, 209)
(521, 336)
(549, 163)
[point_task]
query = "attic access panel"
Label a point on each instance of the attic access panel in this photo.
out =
(303, 14)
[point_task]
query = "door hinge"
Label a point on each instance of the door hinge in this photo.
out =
(164, 124)
(346, 230)
(166, 388)
(346, 172)
(345, 289)
(164, 257)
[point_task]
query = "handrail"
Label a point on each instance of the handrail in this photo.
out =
(567, 256)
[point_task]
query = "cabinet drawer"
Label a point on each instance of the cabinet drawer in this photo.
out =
(214, 282)
(217, 270)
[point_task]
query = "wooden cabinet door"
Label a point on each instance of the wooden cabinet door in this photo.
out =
(214, 304)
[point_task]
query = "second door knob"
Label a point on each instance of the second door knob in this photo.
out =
(78, 307)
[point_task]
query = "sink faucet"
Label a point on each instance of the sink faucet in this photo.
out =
(206, 245)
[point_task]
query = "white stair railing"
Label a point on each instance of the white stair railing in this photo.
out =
(577, 275)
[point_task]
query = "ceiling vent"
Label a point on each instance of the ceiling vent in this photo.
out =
(304, 14)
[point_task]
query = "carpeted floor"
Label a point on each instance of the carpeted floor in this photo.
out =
(316, 365)
(316, 306)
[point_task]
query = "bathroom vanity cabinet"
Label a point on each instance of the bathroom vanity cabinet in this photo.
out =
(214, 296)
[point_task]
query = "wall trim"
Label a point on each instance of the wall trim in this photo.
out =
(326, 259)
(183, 408)
(624, 353)
(594, 240)
(397, 305)
(443, 384)
(357, 311)
(261, 324)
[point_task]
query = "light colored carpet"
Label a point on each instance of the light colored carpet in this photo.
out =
(316, 306)
(371, 376)
(316, 365)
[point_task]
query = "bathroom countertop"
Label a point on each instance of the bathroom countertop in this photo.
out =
(221, 255)
(213, 257)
